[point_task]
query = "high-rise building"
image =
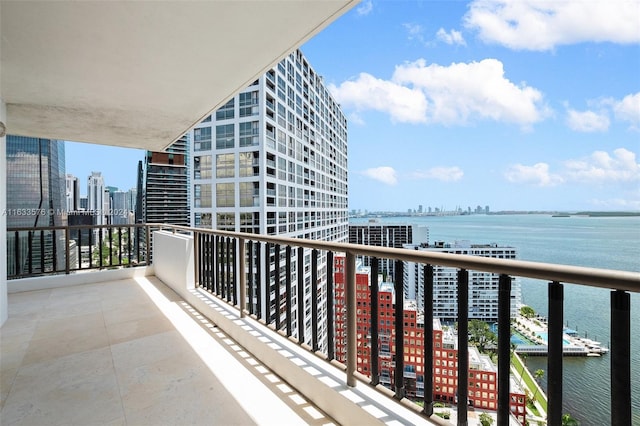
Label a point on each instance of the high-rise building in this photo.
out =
(139, 205)
(96, 197)
(273, 160)
(72, 193)
(167, 185)
(119, 211)
(483, 286)
(36, 197)
(374, 233)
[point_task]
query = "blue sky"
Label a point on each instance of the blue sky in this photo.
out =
(519, 105)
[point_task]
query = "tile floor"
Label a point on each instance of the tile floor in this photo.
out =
(123, 353)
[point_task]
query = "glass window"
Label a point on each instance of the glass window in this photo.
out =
(225, 195)
(202, 167)
(249, 165)
(225, 136)
(249, 194)
(248, 103)
(203, 220)
(225, 165)
(202, 195)
(226, 221)
(249, 132)
(202, 139)
(226, 111)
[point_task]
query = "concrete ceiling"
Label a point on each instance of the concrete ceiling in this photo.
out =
(140, 74)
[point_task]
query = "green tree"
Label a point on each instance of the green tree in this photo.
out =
(485, 419)
(527, 312)
(107, 258)
(567, 420)
(481, 335)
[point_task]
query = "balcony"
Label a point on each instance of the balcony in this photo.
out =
(120, 346)
(188, 338)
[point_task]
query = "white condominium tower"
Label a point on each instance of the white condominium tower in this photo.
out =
(483, 286)
(96, 197)
(273, 160)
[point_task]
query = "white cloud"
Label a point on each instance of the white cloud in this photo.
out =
(464, 91)
(628, 109)
(454, 94)
(365, 8)
(617, 203)
(366, 92)
(415, 31)
(601, 168)
(543, 25)
(587, 121)
(384, 174)
(537, 175)
(452, 37)
(444, 174)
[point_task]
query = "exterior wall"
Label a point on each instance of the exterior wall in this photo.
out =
(273, 160)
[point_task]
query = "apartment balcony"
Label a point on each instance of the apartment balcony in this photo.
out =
(186, 338)
(125, 346)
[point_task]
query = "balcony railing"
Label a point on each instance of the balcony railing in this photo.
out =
(223, 256)
(66, 249)
(258, 275)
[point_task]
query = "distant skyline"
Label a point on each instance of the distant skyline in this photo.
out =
(522, 105)
(119, 166)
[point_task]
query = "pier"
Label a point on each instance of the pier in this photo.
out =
(534, 332)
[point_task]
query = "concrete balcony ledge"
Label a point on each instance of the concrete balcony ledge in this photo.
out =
(323, 383)
(76, 278)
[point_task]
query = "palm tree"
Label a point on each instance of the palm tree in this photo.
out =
(538, 375)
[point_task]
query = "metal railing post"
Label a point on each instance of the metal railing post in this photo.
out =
(300, 290)
(620, 358)
(351, 323)
(375, 322)
(504, 348)
(463, 348)
(67, 237)
(428, 340)
(330, 307)
(196, 258)
(276, 281)
(242, 270)
(399, 328)
(554, 358)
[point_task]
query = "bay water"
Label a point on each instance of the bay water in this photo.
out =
(598, 242)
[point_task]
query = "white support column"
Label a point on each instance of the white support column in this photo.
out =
(4, 308)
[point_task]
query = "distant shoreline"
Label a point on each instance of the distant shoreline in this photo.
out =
(503, 212)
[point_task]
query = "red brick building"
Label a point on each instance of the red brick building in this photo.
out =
(482, 372)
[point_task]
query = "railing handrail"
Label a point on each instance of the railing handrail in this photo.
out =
(593, 277)
(63, 227)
